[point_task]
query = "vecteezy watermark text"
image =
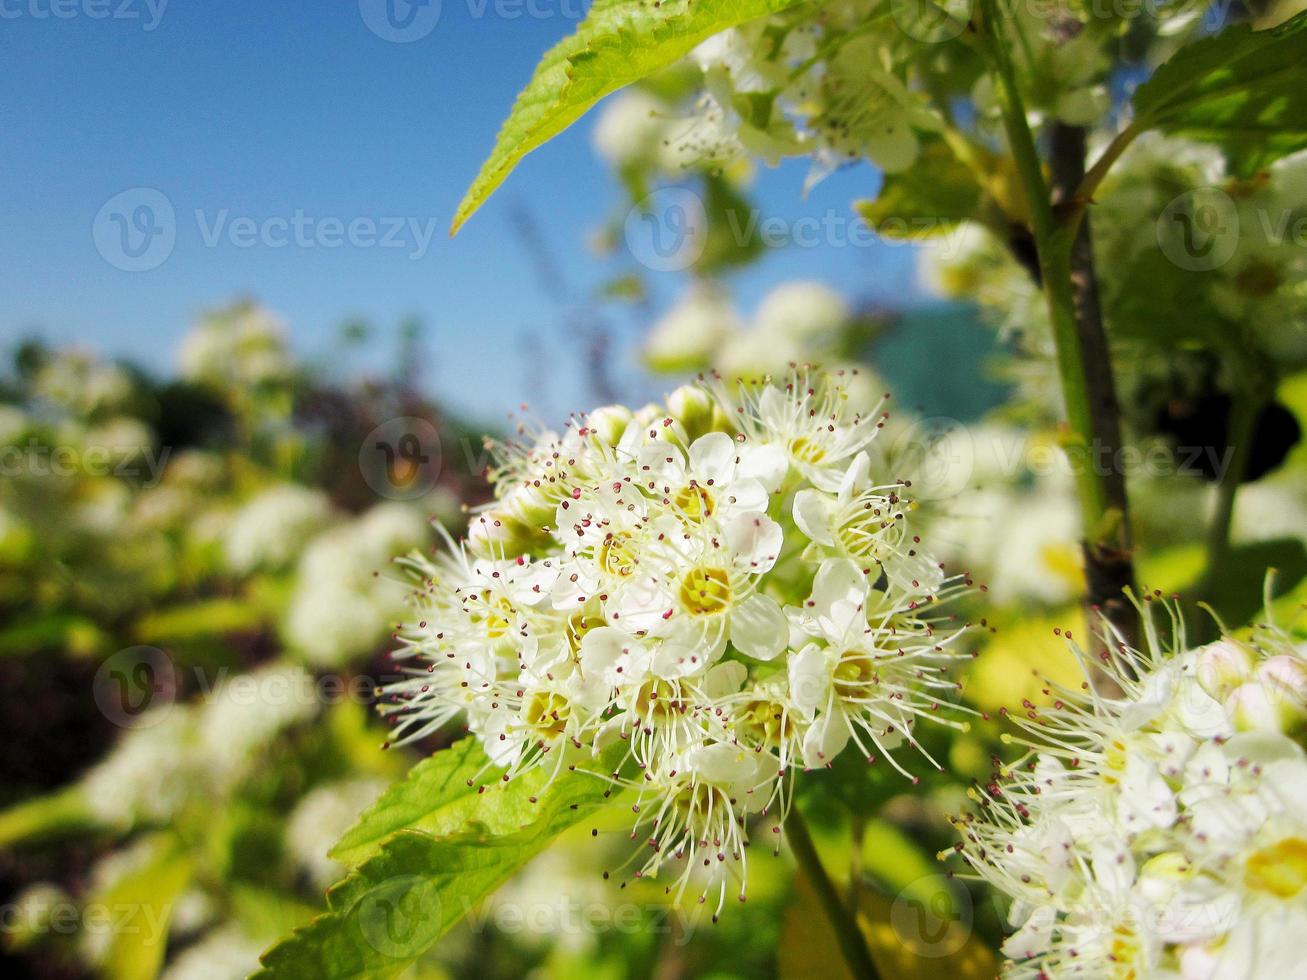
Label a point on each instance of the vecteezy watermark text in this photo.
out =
(36, 459)
(137, 229)
(148, 13)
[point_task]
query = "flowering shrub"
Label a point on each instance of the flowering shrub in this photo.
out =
(724, 585)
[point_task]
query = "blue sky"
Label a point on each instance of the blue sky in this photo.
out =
(257, 110)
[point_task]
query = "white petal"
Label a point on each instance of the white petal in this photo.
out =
(725, 679)
(712, 457)
(756, 539)
(759, 628)
(839, 593)
(856, 476)
(812, 513)
(766, 464)
(748, 496)
(825, 739)
(810, 677)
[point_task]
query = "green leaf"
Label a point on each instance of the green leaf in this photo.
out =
(398, 903)
(208, 617)
(53, 630)
(427, 799)
(1241, 89)
(932, 196)
(140, 905)
(619, 42)
(64, 812)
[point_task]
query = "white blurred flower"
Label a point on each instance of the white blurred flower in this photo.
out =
(631, 127)
(810, 313)
(689, 334)
(342, 603)
(225, 953)
(238, 347)
(145, 775)
(319, 820)
(82, 384)
(269, 530)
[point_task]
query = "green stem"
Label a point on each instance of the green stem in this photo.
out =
(1243, 419)
(1103, 516)
(842, 919)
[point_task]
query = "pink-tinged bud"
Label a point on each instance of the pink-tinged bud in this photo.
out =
(1223, 666)
(1256, 707)
(1285, 678)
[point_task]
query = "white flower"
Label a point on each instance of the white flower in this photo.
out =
(342, 603)
(809, 313)
(630, 127)
(688, 335)
(237, 347)
(225, 953)
(639, 585)
(1162, 832)
(269, 531)
(319, 819)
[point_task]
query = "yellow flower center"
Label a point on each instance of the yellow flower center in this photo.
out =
(617, 554)
(697, 804)
(768, 722)
(498, 617)
(694, 503)
(806, 450)
(706, 591)
(657, 700)
(1279, 870)
(547, 713)
(852, 675)
(578, 625)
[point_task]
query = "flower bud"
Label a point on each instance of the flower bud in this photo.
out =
(1284, 679)
(496, 534)
(607, 424)
(1223, 666)
(692, 407)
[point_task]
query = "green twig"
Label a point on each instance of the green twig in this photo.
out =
(1247, 406)
(1055, 233)
(842, 919)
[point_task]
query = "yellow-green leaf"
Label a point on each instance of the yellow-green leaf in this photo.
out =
(619, 42)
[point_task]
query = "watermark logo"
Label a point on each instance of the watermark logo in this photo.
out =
(136, 687)
(1199, 230)
(400, 459)
(400, 21)
(401, 917)
(135, 230)
(939, 454)
(931, 917)
(667, 230)
(931, 21)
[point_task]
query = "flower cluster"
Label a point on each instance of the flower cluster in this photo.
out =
(721, 585)
(1161, 832)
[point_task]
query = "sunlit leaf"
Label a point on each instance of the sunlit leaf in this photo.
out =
(619, 42)
(394, 906)
(140, 905)
(1241, 89)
